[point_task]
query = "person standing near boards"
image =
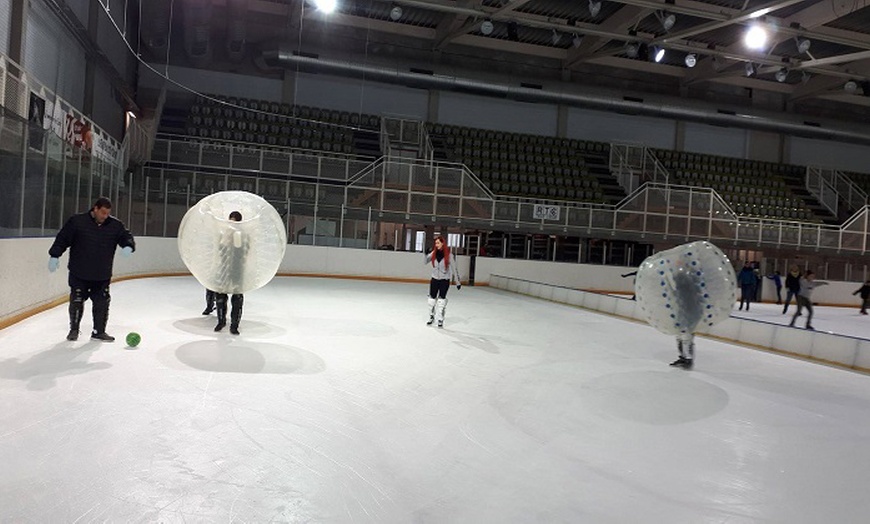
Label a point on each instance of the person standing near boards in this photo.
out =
(444, 270)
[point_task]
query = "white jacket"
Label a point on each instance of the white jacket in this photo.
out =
(440, 271)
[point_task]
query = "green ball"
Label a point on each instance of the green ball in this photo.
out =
(133, 339)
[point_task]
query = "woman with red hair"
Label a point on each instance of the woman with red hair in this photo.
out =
(444, 270)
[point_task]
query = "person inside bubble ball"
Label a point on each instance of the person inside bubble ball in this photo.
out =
(232, 251)
(689, 313)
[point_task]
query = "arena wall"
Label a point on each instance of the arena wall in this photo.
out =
(28, 287)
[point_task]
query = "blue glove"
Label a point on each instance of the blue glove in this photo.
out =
(52, 264)
(126, 251)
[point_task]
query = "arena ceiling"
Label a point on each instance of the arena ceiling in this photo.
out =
(600, 43)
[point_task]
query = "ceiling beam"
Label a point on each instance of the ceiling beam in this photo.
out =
(619, 22)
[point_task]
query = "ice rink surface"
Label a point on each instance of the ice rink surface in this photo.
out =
(338, 404)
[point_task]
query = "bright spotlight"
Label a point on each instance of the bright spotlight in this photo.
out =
(658, 54)
(755, 37)
(327, 6)
(691, 60)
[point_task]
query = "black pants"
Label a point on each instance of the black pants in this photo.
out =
(237, 302)
(82, 290)
(438, 288)
(788, 294)
(746, 294)
(803, 302)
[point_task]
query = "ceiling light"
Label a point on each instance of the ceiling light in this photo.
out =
(666, 19)
(578, 39)
(803, 44)
(486, 27)
(594, 8)
(749, 69)
(556, 37)
(851, 86)
(327, 6)
(781, 75)
(691, 60)
(755, 37)
(658, 54)
(805, 77)
(631, 50)
(396, 13)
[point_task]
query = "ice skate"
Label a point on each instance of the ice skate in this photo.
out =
(72, 335)
(440, 309)
(682, 362)
(811, 328)
(431, 302)
(102, 337)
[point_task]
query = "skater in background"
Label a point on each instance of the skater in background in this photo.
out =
(444, 270)
(92, 238)
(865, 296)
(747, 280)
(633, 273)
(233, 250)
(805, 298)
(792, 286)
(777, 281)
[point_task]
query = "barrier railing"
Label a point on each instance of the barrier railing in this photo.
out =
(399, 190)
(634, 165)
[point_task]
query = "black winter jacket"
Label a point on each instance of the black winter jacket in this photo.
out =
(91, 245)
(793, 283)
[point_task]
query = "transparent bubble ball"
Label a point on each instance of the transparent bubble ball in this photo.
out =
(227, 256)
(687, 287)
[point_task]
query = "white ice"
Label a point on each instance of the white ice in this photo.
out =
(338, 404)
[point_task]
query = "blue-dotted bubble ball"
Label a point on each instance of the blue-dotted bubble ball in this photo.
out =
(685, 288)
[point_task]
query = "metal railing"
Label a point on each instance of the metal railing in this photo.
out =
(818, 183)
(406, 134)
(835, 188)
(337, 189)
(634, 165)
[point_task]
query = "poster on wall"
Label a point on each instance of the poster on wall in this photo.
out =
(78, 133)
(105, 149)
(36, 122)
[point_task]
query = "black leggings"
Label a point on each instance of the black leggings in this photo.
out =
(438, 288)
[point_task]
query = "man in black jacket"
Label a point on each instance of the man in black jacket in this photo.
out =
(92, 238)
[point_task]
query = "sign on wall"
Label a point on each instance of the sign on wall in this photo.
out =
(544, 212)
